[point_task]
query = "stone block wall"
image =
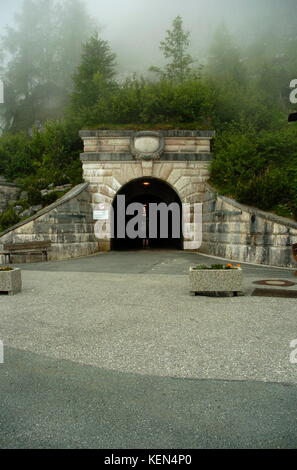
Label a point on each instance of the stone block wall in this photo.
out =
(122, 144)
(107, 178)
(109, 163)
(68, 224)
(106, 144)
(182, 160)
(234, 231)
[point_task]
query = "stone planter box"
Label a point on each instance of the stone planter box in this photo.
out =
(11, 281)
(216, 280)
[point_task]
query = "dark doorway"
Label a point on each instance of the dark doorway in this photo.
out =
(148, 191)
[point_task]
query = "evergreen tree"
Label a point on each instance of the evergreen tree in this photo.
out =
(225, 63)
(174, 48)
(42, 51)
(94, 77)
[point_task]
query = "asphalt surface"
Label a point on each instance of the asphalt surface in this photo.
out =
(148, 262)
(53, 404)
(112, 352)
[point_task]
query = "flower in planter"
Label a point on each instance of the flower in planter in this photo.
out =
(231, 266)
(216, 278)
(217, 266)
(5, 268)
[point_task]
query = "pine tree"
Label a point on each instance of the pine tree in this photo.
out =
(174, 48)
(94, 77)
(40, 55)
(224, 62)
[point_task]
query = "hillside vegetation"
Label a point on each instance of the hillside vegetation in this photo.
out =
(242, 93)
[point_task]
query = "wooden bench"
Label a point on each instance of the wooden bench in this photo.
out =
(29, 248)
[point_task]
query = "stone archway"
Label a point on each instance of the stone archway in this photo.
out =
(113, 159)
(151, 193)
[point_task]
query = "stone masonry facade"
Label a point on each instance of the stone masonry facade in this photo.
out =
(67, 224)
(178, 158)
(181, 159)
(238, 232)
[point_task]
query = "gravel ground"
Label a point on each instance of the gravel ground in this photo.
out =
(112, 352)
(146, 322)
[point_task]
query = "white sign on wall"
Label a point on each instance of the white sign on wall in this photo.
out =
(101, 215)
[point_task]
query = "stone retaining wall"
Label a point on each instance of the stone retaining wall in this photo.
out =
(234, 231)
(68, 224)
(182, 160)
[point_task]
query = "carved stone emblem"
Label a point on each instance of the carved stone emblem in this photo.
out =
(148, 145)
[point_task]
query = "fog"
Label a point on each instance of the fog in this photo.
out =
(135, 27)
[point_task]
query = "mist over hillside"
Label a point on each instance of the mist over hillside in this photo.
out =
(135, 27)
(226, 65)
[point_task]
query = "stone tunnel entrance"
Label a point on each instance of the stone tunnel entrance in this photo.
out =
(148, 167)
(150, 192)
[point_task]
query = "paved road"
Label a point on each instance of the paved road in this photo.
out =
(147, 262)
(47, 403)
(111, 351)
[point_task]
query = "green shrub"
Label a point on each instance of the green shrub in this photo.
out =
(48, 157)
(8, 218)
(258, 168)
(149, 103)
(52, 197)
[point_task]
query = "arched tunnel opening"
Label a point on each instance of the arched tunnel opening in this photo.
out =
(150, 193)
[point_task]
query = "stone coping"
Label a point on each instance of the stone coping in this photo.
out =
(131, 133)
(74, 192)
(254, 211)
(97, 157)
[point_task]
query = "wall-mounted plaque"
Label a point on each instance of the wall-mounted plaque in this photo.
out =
(148, 145)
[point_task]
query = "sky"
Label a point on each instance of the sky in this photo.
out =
(136, 27)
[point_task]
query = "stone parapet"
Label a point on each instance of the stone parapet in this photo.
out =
(68, 224)
(130, 133)
(166, 156)
(122, 142)
(235, 231)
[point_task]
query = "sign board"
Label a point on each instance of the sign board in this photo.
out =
(101, 215)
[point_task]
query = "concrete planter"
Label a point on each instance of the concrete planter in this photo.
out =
(216, 280)
(11, 281)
